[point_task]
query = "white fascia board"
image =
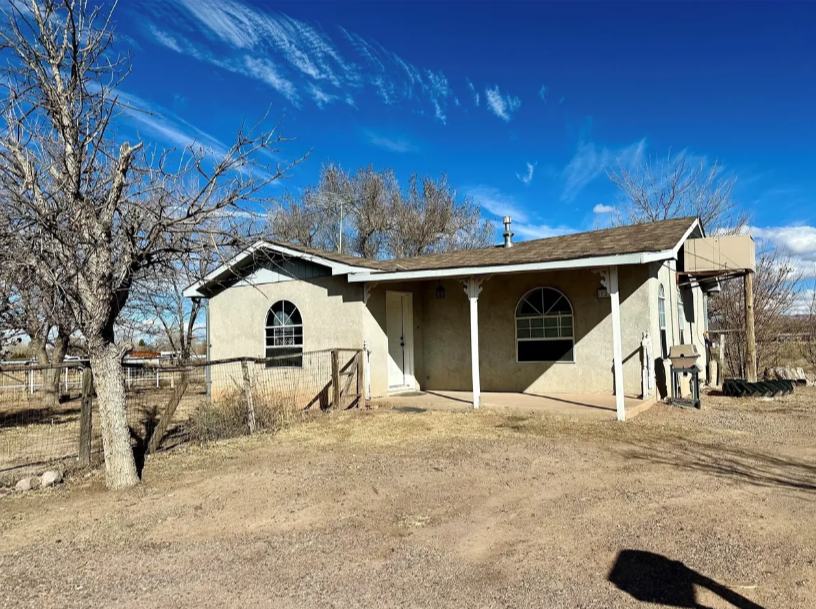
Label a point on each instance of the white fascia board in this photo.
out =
(337, 268)
(581, 263)
(193, 290)
(686, 235)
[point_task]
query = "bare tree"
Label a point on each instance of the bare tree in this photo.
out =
(662, 189)
(775, 293)
(431, 218)
(42, 316)
(159, 310)
(100, 210)
(675, 187)
(808, 330)
(367, 214)
(294, 221)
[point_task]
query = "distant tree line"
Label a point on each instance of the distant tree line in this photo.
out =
(368, 214)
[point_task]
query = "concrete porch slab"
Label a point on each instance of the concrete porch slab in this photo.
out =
(561, 404)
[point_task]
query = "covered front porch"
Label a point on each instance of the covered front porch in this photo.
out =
(511, 338)
(578, 405)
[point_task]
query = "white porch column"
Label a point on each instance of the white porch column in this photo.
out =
(617, 346)
(473, 287)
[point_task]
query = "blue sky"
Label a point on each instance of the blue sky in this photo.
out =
(522, 105)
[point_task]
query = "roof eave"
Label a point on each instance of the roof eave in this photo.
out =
(337, 268)
(497, 269)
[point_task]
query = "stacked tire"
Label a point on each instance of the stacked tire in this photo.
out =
(739, 388)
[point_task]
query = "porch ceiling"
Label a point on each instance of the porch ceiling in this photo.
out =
(579, 405)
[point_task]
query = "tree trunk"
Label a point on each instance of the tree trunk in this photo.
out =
(120, 465)
(53, 379)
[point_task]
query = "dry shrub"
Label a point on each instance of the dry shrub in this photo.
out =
(228, 416)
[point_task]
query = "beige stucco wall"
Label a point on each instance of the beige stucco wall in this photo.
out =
(445, 329)
(332, 311)
(335, 316)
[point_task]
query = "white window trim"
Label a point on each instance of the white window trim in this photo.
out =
(267, 327)
(550, 338)
(661, 299)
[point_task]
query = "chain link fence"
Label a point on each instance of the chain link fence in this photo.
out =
(41, 408)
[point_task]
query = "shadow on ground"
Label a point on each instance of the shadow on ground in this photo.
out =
(738, 464)
(652, 578)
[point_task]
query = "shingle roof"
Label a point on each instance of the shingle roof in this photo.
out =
(335, 256)
(638, 238)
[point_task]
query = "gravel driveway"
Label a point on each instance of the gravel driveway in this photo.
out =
(677, 508)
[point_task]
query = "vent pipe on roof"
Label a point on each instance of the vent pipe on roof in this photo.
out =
(508, 234)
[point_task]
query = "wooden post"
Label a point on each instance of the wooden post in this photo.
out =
(750, 339)
(248, 397)
(617, 347)
(167, 415)
(361, 397)
(335, 364)
(31, 381)
(721, 371)
(85, 425)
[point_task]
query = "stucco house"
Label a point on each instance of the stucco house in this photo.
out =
(564, 314)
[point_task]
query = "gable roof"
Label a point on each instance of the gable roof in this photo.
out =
(638, 238)
(635, 244)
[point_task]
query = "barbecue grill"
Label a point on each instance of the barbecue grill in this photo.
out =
(684, 360)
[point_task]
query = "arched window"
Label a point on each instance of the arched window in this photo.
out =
(661, 315)
(544, 327)
(284, 335)
(681, 316)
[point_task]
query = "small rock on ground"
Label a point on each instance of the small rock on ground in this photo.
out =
(27, 484)
(51, 477)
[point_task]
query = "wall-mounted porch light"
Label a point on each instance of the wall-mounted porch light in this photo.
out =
(440, 291)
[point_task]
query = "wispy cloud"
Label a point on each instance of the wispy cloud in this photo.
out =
(389, 143)
(542, 93)
(298, 59)
(321, 98)
(257, 68)
(501, 106)
(527, 177)
(601, 209)
(496, 202)
(590, 161)
(165, 125)
(474, 92)
(541, 231)
(500, 204)
(266, 71)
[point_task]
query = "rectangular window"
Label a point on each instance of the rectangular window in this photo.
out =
(545, 339)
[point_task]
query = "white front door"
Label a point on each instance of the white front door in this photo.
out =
(399, 327)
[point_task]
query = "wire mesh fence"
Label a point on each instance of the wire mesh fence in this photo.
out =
(41, 407)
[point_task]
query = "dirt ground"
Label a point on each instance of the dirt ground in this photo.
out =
(677, 508)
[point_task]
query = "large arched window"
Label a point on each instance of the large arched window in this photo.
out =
(544, 327)
(661, 315)
(284, 335)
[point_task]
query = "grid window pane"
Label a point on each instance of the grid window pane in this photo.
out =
(544, 327)
(284, 335)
